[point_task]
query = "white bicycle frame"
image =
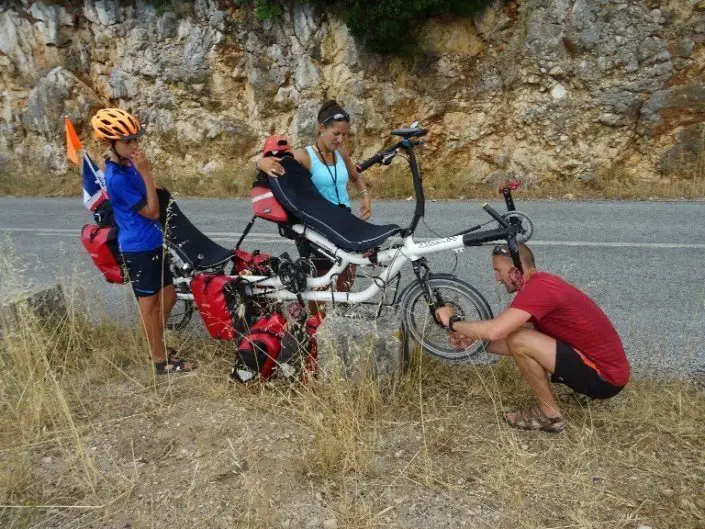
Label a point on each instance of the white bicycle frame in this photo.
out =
(320, 288)
(393, 259)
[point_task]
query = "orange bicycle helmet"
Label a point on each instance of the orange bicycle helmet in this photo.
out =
(115, 124)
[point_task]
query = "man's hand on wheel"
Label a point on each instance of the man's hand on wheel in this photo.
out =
(460, 341)
(443, 314)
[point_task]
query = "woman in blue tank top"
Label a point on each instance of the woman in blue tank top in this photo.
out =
(328, 160)
(331, 171)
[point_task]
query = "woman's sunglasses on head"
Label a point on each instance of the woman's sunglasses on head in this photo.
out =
(340, 116)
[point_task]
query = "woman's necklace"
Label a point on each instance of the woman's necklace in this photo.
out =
(333, 174)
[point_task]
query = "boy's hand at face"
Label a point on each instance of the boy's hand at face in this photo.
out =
(141, 163)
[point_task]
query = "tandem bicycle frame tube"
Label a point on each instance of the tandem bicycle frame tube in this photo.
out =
(393, 259)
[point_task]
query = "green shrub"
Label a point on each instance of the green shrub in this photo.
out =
(385, 26)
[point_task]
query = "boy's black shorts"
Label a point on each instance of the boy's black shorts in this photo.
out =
(149, 271)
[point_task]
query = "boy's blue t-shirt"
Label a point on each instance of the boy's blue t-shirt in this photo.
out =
(128, 194)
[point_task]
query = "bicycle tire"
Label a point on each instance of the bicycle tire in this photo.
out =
(178, 320)
(422, 328)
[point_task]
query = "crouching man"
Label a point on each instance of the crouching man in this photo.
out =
(550, 327)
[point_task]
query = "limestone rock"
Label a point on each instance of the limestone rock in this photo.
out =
(452, 37)
(45, 306)
(686, 154)
(306, 74)
(679, 105)
(58, 94)
(350, 348)
(617, 79)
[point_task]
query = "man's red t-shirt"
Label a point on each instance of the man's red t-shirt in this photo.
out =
(560, 310)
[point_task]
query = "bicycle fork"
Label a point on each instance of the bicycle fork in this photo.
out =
(433, 298)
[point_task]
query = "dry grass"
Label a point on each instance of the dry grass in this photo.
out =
(232, 182)
(394, 182)
(17, 183)
(91, 439)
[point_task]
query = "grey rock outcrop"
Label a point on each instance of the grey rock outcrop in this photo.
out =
(527, 88)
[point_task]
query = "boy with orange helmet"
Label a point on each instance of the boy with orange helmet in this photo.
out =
(133, 195)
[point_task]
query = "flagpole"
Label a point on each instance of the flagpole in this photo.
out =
(91, 174)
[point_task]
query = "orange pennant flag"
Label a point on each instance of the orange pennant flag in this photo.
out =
(73, 143)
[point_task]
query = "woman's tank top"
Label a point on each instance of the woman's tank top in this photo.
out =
(331, 181)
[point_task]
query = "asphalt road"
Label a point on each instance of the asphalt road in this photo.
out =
(641, 261)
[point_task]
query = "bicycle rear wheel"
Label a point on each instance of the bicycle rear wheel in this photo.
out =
(181, 314)
(421, 326)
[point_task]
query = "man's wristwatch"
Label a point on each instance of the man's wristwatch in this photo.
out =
(453, 320)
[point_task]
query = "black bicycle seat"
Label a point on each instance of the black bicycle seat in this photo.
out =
(409, 133)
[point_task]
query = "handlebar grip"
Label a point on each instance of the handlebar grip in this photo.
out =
(363, 166)
(496, 216)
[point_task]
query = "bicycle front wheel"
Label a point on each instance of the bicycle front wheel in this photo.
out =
(421, 326)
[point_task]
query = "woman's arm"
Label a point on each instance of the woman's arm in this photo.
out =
(270, 166)
(359, 181)
(301, 156)
(274, 168)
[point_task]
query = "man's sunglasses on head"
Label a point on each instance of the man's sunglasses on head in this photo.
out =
(500, 250)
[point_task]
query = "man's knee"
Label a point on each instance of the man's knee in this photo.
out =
(527, 343)
(517, 342)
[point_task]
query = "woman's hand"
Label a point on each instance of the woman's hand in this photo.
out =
(271, 166)
(366, 208)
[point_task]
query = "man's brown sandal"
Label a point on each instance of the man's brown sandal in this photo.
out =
(534, 419)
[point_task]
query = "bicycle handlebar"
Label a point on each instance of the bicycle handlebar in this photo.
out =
(380, 157)
(363, 166)
(508, 231)
(410, 132)
(387, 154)
(496, 216)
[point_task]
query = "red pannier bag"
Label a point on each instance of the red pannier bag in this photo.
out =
(266, 206)
(256, 263)
(258, 350)
(216, 298)
(101, 244)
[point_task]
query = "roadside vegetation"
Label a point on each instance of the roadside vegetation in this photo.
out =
(90, 438)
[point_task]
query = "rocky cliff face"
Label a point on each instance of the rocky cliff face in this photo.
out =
(547, 89)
